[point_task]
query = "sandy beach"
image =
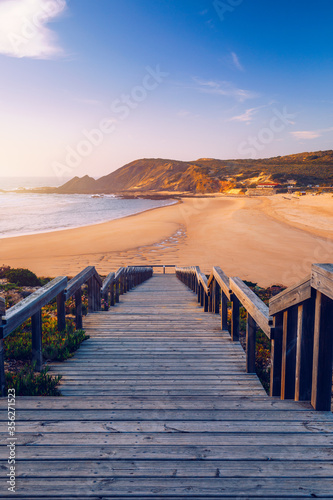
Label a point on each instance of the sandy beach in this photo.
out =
(267, 240)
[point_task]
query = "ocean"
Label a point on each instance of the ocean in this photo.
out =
(28, 213)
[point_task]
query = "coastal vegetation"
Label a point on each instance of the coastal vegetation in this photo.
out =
(57, 346)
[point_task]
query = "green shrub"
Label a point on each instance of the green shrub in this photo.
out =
(22, 277)
(26, 382)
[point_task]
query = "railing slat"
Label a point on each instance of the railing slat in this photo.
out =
(304, 353)
(252, 303)
(288, 369)
(251, 329)
(36, 329)
(276, 356)
(322, 354)
(25, 309)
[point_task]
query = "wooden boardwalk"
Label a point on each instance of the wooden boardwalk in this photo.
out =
(157, 404)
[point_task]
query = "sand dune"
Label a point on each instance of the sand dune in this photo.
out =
(267, 240)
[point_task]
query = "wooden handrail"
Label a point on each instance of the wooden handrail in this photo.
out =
(222, 280)
(253, 305)
(62, 290)
(75, 284)
(29, 306)
(322, 279)
(298, 321)
(292, 296)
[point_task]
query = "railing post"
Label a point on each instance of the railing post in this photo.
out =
(205, 300)
(276, 356)
(116, 298)
(98, 296)
(234, 318)
(251, 329)
(36, 327)
(91, 295)
(61, 312)
(211, 297)
(288, 370)
(106, 299)
(304, 351)
(78, 309)
(224, 311)
(2, 352)
(322, 354)
(95, 295)
(216, 292)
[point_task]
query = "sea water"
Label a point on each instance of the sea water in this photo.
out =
(29, 213)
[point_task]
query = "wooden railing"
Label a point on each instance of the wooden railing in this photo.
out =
(298, 321)
(302, 349)
(62, 290)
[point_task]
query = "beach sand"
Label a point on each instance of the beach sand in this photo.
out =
(268, 240)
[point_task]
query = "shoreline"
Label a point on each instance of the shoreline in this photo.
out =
(246, 237)
(61, 229)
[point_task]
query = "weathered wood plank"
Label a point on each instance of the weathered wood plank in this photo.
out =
(322, 279)
(219, 487)
(292, 296)
(253, 304)
(31, 305)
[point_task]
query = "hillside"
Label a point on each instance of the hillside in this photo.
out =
(208, 175)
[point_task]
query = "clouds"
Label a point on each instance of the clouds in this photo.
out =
(24, 31)
(310, 134)
(236, 61)
(224, 88)
(246, 117)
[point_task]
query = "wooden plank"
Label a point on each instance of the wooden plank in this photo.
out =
(75, 283)
(223, 280)
(252, 303)
(222, 427)
(288, 368)
(36, 330)
(322, 354)
(235, 305)
(294, 295)
(232, 453)
(276, 356)
(251, 330)
(322, 279)
(304, 353)
(109, 280)
(177, 438)
(175, 487)
(265, 415)
(171, 468)
(27, 307)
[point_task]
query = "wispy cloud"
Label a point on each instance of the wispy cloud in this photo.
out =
(224, 88)
(310, 134)
(24, 31)
(236, 61)
(249, 114)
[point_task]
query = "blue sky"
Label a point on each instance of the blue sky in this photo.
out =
(87, 86)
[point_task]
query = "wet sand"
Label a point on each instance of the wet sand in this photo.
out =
(268, 240)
